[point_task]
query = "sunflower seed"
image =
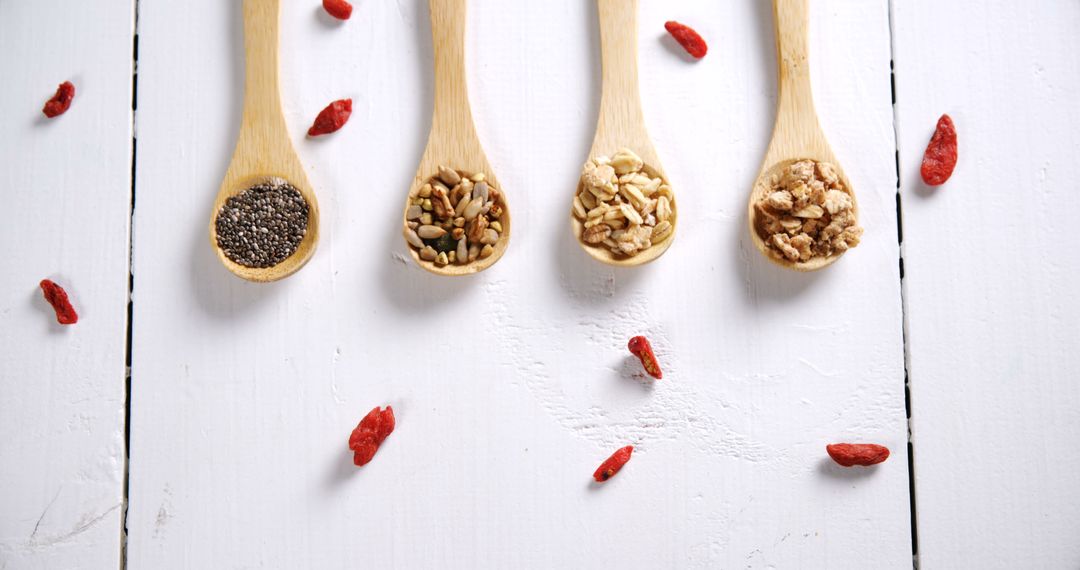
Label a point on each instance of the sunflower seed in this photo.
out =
(449, 175)
(480, 191)
(473, 209)
(413, 239)
(430, 232)
(462, 251)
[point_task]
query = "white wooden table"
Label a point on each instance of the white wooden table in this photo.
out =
(225, 446)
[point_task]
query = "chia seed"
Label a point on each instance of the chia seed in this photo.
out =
(263, 225)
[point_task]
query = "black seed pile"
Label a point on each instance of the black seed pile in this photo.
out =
(263, 225)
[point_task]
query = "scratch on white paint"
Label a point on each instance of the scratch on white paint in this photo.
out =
(42, 517)
(334, 390)
(86, 524)
(821, 372)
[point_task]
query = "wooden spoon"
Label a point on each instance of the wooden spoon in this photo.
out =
(622, 122)
(453, 141)
(263, 149)
(797, 134)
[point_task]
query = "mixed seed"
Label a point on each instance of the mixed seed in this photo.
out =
(263, 225)
(806, 212)
(455, 218)
(623, 208)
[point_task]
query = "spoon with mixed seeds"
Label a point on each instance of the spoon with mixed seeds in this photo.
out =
(456, 220)
(802, 210)
(265, 221)
(623, 210)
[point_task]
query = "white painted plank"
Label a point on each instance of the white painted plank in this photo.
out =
(512, 386)
(66, 187)
(991, 281)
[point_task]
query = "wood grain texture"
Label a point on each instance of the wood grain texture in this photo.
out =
(453, 141)
(264, 150)
(65, 189)
(991, 281)
(797, 134)
(621, 122)
(511, 386)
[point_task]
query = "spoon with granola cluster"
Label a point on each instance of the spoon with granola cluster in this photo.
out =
(802, 209)
(623, 210)
(456, 219)
(265, 221)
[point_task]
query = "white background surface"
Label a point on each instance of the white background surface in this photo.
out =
(510, 387)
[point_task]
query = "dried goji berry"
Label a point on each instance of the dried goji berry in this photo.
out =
(332, 118)
(940, 158)
(689, 39)
(641, 348)
(370, 433)
(339, 9)
(57, 297)
(612, 464)
(848, 454)
(61, 101)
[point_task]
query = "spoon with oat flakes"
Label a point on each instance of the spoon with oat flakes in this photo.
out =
(623, 210)
(456, 221)
(802, 209)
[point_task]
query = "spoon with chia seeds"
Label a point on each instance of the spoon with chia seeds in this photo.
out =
(265, 221)
(454, 146)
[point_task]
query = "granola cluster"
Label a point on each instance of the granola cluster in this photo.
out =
(807, 213)
(623, 208)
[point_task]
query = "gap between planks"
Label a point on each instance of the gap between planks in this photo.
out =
(903, 296)
(130, 289)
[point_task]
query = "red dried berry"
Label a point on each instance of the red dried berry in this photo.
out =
(848, 454)
(613, 464)
(370, 433)
(332, 118)
(61, 101)
(639, 346)
(339, 9)
(386, 425)
(58, 298)
(689, 39)
(940, 158)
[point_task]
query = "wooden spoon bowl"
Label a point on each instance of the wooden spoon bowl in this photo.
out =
(622, 122)
(603, 254)
(797, 134)
(453, 269)
(762, 188)
(453, 141)
(264, 150)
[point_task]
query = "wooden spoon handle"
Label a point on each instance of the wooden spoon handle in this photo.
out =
(262, 101)
(452, 115)
(620, 102)
(793, 67)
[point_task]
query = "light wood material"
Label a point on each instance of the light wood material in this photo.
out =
(797, 134)
(622, 123)
(453, 141)
(264, 149)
